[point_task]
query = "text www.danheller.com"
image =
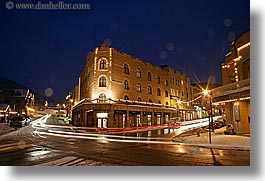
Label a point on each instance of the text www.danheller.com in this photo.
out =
(61, 5)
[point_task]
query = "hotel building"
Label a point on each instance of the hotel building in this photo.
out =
(117, 90)
(235, 92)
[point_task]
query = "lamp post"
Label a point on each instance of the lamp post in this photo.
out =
(209, 109)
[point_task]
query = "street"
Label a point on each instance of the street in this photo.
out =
(33, 146)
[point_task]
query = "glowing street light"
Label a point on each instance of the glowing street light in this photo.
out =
(209, 109)
(206, 92)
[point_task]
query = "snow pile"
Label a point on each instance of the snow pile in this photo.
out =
(218, 140)
(5, 128)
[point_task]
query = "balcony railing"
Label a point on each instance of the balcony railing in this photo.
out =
(232, 88)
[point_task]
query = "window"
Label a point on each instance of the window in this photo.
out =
(126, 69)
(172, 91)
(126, 85)
(166, 93)
(102, 82)
(159, 102)
(166, 82)
(177, 82)
(171, 80)
(149, 89)
(139, 87)
(139, 99)
(102, 97)
(150, 100)
(158, 79)
(138, 73)
(102, 64)
(158, 92)
(126, 97)
(149, 76)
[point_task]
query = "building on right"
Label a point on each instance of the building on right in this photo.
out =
(235, 92)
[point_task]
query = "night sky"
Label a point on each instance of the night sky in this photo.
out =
(47, 48)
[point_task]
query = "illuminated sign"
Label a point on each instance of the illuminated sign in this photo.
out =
(102, 115)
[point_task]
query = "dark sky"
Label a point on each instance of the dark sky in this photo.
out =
(47, 48)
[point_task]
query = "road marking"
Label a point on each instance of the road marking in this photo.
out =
(60, 162)
(73, 161)
(17, 146)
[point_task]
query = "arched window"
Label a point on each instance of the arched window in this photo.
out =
(149, 89)
(126, 85)
(139, 99)
(150, 100)
(102, 97)
(102, 82)
(166, 93)
(166, 82)
(138, 73)
(158, 92)
(158, 79)
(149, 76)
(139, 87)
(126, 69)
(159, 102)
(102, 64)
(126, 97)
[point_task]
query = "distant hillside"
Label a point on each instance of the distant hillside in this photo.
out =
(10, 84)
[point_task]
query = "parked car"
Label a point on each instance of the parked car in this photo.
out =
(230, 130)
(221, 122)
(17, 122)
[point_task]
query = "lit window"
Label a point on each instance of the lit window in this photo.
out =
(126, 85)
(158, 79)
(172, 91)
(126, 97)
(102, 97)
(102, 64)
(138, 73)
(139, 87)
(149, 89)
(102, 82)
(166, 82)
(149, 76)
(126, 69)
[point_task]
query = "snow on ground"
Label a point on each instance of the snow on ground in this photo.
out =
(5, 128)
(218, 140)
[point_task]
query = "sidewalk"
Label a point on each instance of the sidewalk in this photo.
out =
(218, 138)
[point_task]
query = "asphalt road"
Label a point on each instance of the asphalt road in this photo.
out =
(23, 148)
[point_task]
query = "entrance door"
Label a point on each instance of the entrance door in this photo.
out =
(102, 122)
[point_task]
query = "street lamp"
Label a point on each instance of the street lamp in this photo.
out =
(209, 109)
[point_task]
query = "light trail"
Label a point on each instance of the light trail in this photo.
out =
(112, 140)
(42, 129)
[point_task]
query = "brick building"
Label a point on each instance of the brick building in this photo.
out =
(118, 90)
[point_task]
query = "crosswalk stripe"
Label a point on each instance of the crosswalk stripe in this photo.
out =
(60, 161)
(74, 162)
